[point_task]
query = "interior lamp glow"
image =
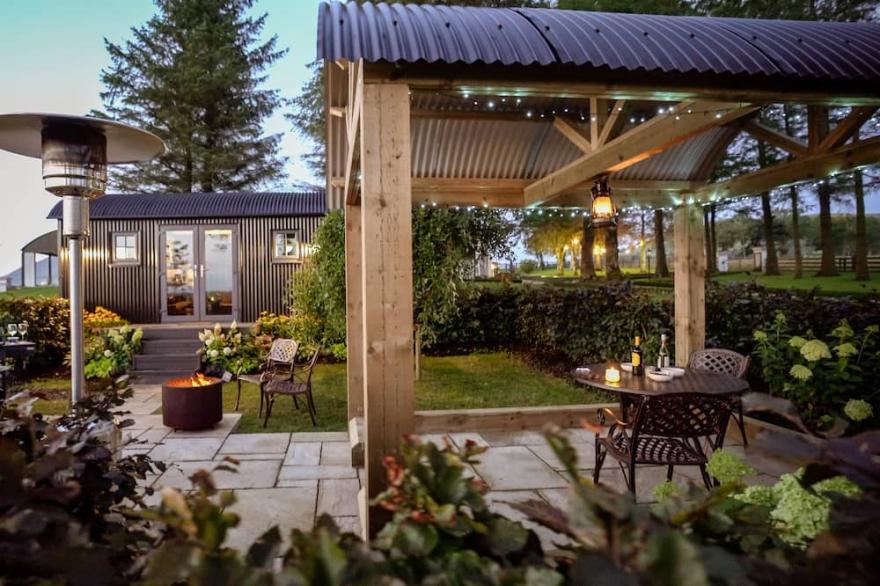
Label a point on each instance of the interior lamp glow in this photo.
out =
(603, 213)
(75, 151)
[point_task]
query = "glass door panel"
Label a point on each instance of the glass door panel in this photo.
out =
(218, 271)
(180, 273)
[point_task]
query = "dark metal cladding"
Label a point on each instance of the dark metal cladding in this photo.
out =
(629, 42)
(204, 205)
(411, 33)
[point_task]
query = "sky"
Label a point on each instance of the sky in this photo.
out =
(51, 56)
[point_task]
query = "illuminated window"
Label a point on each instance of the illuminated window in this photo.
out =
(286, 246)
(125, 249)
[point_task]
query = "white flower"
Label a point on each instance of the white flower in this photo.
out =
(815, 350)
(234, 325)
(227, 351)
(214, 353)
(217, 329)
(800, 372)
(846, 349)
(796, 342)
(108, 353)
(202, 336)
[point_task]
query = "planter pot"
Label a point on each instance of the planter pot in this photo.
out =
(189, 407)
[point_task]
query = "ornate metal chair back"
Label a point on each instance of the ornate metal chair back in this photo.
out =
(720, 361)
(682, 415)
(283, 351)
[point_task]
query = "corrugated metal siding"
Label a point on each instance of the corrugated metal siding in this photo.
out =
(242, 204)
(629, 42)
(135, 293)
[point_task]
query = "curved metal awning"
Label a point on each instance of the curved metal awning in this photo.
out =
(45, 244)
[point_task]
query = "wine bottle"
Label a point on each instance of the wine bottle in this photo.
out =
(663, 356)
(638, 363)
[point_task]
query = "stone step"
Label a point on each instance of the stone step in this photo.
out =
(156, 377)
(169, 333)
(166, 362)
(170, 346)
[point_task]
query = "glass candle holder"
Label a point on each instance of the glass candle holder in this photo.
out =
(612, 375)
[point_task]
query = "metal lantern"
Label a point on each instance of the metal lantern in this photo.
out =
(75, 152)
(602, 210)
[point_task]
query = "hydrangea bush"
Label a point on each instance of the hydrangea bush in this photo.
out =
(110, 352)
(824, 378)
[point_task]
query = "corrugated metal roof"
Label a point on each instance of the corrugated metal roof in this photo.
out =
(631, 42)
(242, 204)
(692, 160)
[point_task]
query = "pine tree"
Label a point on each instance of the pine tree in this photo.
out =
(193, 75)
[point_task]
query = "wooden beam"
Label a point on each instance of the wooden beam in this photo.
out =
(772, 136)
(847, 127)
(354, 311)
(353, 126)
(817, 126)
(491, 80)
(612, 123)
(469, 115)
(336, 95)
(809, 167)
(337, 111)
(654, 136)
(386, 236)
(572, 133)
(690, 282)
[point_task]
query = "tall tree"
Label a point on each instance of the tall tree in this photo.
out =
(861, 252)
(193, 75)
(661, 269)
(612, 255)
(588, 269)
(794, 198)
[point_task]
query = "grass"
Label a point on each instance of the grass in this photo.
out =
(448, 382)
(54, 392)
(30, 292)
(840, 285)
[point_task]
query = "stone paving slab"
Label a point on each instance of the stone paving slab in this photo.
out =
(173, 450)
(338, 497)
(348, 524)
(516, 467)
(317, 472)
(335, 454)
(586, 455)
(251, 474)
(513, 438)
(461, 438)
(261, 508)
(319, 436)
(256, 443)
(303, 454)
(226, 426)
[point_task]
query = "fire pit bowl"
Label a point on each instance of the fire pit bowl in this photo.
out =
(192, 402)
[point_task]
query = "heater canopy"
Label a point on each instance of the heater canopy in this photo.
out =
(22, 134)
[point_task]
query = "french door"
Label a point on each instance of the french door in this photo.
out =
(199, 273)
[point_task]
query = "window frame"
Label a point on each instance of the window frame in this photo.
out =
(126, 262)
(299, 243)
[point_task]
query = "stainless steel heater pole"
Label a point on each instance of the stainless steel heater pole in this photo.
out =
(77, 361)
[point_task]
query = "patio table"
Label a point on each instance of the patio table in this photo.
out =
(631, 387)
(19, 350)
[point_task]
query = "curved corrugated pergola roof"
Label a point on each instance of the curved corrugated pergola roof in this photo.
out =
(414, 33)
(44, 244)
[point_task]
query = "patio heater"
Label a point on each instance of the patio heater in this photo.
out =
(75, 152)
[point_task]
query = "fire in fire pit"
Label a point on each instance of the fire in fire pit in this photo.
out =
(192, 402)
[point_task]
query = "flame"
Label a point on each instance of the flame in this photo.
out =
(200, 380)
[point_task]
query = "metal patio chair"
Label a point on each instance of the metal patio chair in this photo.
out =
(299, 384)
(721, 361)
(665, 430)
(279, 363)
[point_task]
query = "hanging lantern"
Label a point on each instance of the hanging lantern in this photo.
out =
(603, 213)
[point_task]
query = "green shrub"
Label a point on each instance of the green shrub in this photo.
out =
(48, 320)
(528, 266)
(110, 352)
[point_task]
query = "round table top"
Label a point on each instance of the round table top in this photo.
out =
(692, 381)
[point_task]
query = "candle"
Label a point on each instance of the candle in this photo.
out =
(612, 375)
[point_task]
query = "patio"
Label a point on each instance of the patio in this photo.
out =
(289, 479)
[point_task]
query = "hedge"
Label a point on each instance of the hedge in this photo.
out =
(561, 326)
(48, 320)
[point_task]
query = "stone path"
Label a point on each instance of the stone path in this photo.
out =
(288, 479)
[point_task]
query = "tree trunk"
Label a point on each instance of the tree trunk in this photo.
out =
(861, 256)
(643, 247)
(712, 210)
(612, 262)
(661, 269)
(560, 260)
(771, 267)
(828, 266)
(795, 207)
(707, 240)
(588, 269)
(541, 260)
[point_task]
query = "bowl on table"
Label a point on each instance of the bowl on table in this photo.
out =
(583, 372)
(659, 376)
(673, 370)
(626, 366)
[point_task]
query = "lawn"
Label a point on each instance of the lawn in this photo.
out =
(448, 382)
(31, 292)
(839, 285)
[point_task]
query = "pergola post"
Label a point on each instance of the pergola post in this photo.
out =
(690, 282)
(354, 312)
(386, 240)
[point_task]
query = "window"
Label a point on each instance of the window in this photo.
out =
(286, 246)
(125, 248)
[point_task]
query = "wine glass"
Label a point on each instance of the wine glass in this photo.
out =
(22, 329)
(12, 330)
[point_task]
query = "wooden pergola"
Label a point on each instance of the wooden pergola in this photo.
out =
(525, 108)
